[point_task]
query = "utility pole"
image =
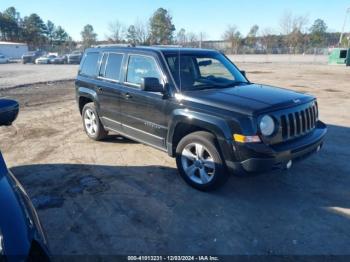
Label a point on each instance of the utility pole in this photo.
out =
(342, 32)
(202, 36)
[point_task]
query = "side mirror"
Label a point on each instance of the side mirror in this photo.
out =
(8, 111)
(243, 73)
(205, 63)
(151, 84)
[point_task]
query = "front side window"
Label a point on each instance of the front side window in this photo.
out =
(203, 71)
(140, 67)
(90, 64)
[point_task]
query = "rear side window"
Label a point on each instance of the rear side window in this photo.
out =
(90, 64)
(113, 65)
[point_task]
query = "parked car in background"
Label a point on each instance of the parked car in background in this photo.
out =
(21, 234)
(45, 59)
(75, 57)
(30, 57)
(4, 59)
(59, 60)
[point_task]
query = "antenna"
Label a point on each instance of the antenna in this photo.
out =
(342, 32)
(179, 54)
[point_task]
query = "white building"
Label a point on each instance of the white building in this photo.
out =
(13, 50)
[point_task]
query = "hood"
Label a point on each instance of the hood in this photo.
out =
(248, 99)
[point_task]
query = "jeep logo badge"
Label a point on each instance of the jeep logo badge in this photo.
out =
(296, 101)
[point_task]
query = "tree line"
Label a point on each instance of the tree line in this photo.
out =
(159, 30)
(294, 35)
(33, 31)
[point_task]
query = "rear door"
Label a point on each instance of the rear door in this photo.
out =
(143, 113)
(109, 89)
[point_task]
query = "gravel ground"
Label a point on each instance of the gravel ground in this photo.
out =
(16, 74)
(122, 197)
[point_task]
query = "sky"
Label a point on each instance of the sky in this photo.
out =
(209, 16)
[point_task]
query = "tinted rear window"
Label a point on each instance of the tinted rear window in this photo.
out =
(89, 65)
(113, 66)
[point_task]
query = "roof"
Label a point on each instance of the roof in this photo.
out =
(156, 49)
(11, 43)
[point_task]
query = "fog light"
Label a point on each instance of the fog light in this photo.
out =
(289, 164)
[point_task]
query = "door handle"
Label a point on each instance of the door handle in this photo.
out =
(127, 96)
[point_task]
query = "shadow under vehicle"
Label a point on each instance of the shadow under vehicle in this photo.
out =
(21, 234)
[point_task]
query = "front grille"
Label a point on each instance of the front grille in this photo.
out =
(298, 123)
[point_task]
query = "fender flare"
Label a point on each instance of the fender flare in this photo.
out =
(87, 93)
(214, 124)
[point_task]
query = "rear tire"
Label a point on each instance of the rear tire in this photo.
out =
(199, 161)
(92, 123)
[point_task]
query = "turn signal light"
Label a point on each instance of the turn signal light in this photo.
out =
(246, 139)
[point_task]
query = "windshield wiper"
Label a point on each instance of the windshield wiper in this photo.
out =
(235, 83)
(216, 86)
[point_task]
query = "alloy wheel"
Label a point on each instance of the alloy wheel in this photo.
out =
(198, 163)
(90, 121)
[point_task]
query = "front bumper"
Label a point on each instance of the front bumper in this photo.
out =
(258, 158)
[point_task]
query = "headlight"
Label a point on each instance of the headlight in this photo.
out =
(267, 125)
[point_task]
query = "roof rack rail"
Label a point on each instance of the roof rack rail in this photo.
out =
(169, 46)
(114, 45)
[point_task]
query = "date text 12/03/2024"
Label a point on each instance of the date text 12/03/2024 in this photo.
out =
(173, 258)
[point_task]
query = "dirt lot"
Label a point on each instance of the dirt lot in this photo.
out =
(17, 74)
(121, 197)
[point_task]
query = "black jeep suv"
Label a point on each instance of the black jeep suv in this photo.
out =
(197, 106)
(31, 56)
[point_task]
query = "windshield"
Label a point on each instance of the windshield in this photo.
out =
(202, 71)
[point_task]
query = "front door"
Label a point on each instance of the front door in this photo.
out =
(143, 113)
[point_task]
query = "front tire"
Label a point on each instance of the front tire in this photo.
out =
(199, 161)
(92, 124)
